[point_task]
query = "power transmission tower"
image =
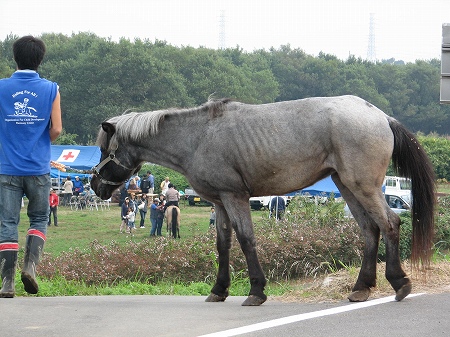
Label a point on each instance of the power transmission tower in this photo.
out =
(371, 52)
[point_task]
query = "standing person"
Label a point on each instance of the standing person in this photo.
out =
(172, 196)
(151, 179)
(68, 191)
(131, 216)
(78, 186)
(145, 184)
(277, 205)
(164, 185)
(54, 202)
(25, 160)
(142, 206)
(160, 213)
(123, 194)
(162, 199)
(123, 214)
(154, 215)
(212, 217)
(133, 203)
(148, 183)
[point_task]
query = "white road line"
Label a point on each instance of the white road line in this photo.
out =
(302, 317)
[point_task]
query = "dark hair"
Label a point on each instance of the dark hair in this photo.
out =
(171, 185)
(28, 52)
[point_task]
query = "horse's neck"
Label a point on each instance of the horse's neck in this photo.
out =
(174, 144)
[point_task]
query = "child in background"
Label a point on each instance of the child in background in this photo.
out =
(54, 202)
(131, 216)
(212, 217)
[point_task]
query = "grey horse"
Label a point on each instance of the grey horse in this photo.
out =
(230, 151)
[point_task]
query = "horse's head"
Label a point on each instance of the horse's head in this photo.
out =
(117, 162)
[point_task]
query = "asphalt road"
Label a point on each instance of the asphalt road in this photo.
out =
(133, 316)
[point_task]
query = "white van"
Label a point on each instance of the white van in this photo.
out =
(398, 186)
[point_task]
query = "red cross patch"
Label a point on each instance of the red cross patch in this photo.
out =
(68, 156)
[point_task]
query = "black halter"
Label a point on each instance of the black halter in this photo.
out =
(111, 157)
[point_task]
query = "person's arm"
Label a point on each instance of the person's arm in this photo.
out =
(56, 119)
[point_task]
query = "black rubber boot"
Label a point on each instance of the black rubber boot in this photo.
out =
(8, 264)
(33, 251)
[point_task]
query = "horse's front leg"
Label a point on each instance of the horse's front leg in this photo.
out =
(239, 212)
(219, 292)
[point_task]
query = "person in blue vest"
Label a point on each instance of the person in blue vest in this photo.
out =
(30, 119)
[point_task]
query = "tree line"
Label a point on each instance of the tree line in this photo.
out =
(100, 78)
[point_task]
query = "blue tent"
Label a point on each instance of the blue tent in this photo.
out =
(76, 157)
(322, 188)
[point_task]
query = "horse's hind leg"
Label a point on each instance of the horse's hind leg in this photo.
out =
(219, 292)
(374, 215)
(394, 272)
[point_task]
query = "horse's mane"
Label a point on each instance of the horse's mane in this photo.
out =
(138, 125)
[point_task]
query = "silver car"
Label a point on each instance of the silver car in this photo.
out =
(395, 202)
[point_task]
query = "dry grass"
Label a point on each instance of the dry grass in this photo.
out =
(337, 286)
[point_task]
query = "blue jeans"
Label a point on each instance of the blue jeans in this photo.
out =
(143, 214)
(153, 230)
(159, 223)
(12, 189)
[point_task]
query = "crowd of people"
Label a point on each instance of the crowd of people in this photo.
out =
(138, 196)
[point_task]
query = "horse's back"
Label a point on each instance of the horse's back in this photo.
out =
(303, 123)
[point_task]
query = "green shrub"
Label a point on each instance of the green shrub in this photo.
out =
(312, 239)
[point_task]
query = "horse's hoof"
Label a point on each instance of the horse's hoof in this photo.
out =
(215, 298)
(253, 300)
(359, 295)
(403, 291)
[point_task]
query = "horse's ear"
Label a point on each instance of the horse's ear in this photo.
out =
(108, 128)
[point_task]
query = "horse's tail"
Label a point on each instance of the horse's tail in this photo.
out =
(174, 215)
(174, 221)
(410, 160)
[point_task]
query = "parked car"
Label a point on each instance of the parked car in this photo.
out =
(194, 199)
(395, 202)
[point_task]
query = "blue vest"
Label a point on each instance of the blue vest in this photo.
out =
(25, 110)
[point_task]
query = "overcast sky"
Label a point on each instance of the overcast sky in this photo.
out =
(405, 30)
